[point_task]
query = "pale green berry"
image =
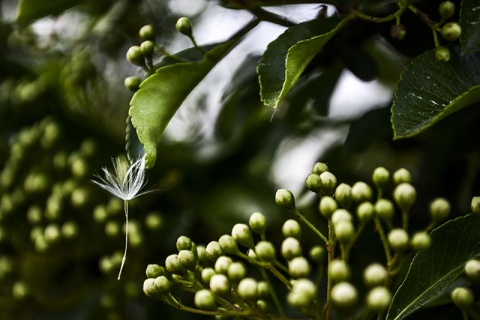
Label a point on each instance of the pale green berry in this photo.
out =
(421, 241)
(265, 251)
(207, 274)
(365, 212)
(247, 289)
(319, 168)
(361, 192)
(154, 270)
(147, 48)
(187, 259)
(378, 299)
(302, 293)
(219, 284)
(184, 26)
(173, 265)
(472, 269)
(291, 248)
(442, 54)
(162, 285)
(317, 254)
(202, 255)
(327, 206)
(343, 195)
(345, 231)
(313, 182)
(375, 275)
(344, 295)
(135, 56)
(451, 31)
(149, 287)
(384, 209)
(263, 289)
(341, 215)
(439, 210)
(329, 182)
(132, 83)
(285, 199)
(228, 244)
(205, 300)
(213, 251)
(381, 177)
(291, 228)
(222, 264)
(263, 305)
(446, 9)
(405, 196)
(184, 243)
(339, 270)
(402, 176)
(475, 205)
(147, 32)
(258, 222)
(243, 235)
(463, 297)
(236, 271)
(398, 239)
(299, 267)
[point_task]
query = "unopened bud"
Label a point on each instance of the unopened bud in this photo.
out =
(291, 228)
(439, 209)
(343, 195)
(463, 297)
(405, 196)
(451, 31)
(285, 199)
(184, 26)
(329, 182)
(472, 269)
(327, 206)
(361, 192)
(402, 175)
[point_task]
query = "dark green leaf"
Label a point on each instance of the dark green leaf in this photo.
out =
(432, 271)
(286, 57)
(429, 90)
(31, 10)
(160, 95)
(469, 21)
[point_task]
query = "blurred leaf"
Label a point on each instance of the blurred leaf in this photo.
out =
(430, 90)
(287, 57)
(432, 271)
(31, 10)
(160, 95)
(469, 20)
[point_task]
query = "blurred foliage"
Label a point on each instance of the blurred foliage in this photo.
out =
(62, 117)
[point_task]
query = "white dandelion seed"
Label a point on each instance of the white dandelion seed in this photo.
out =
(126, 183)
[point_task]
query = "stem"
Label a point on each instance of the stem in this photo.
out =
(390, 17)
(330, 246)
(125, 207)
(265, 15)
(423, 16)
(273, 294)
(310, 225)
(384, 239)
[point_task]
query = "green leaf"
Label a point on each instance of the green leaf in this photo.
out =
(287, 57)
(160, 95)
(31, 10)
(429, 90)
(432, 271)
(470, 23)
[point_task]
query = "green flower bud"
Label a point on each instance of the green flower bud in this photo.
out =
(258, 222)
(472, 269)
(402, 175)
(263, 305)
(154, 270)
(439, 210)
(228, 244)
(222, 264)
(263, 289)
(207, 274)
(384, 209)
(291, 228)
(135, 56)
(339, 270)
(317, 254)
(184, 243)
(52, 233)
(219, 284)
(313, 182)
(344, 295)
(442, 54)
(302, 293)
(451, 31)
(69, 229)
(378, 299)
(361, 192)
(202, 256)
(343, 195)
(365, 212)
(80, 197)
(398, 31)
(147, 32)
(299, 267)
(463, 297)
(381, 177)
(405, 196)
(398, 239)
(344, 231)
(243, 235)
(475, 205)
(205, 300)
(184, 26)
(162, 285)
(247, 289)
(319, 168)
(329, 182)
(173, 265)
(375, 275)
(132, 83)
(236, 271)
(291, 248)
(20, 290)
(341, 215)
(149, 287)
(187, 259)
(80, 168)
(446, 9)
(213, 251)
(100, 213)
(147, 48)
(327, 206)
(154, 221)
(420, 241)
(285, 199)
(265, 251)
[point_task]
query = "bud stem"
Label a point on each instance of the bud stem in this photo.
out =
(310, 225)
